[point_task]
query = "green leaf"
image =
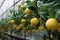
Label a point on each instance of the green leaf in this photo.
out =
(43, 9)
(52, 14)
(29, 3)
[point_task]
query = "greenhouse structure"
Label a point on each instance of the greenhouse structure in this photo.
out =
(29, 19)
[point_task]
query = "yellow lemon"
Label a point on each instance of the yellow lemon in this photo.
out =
(24, 30)
(34, 21)
(15, 26)
(21, 26)
(28, 11)
(12, 21)
(41, 28)
(23, 20)
(52, 24)
(29, 31)
(22, 6)
(33, 30)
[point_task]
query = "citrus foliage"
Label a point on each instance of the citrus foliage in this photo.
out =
(40, 15)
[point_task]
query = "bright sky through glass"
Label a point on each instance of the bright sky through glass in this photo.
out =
(6, 5)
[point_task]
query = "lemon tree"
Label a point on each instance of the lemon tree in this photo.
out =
(28, 11)
(35, 15)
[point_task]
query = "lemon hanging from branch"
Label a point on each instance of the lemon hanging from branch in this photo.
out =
(12, 21)
(17, 28)
(28, 11)
(34, 21)
(23, 21)
(14, 26)
(33, 31)
(52, 24)
(41, 28)
(24, 30)
(21, 26)
(22, 6)
(29, 31)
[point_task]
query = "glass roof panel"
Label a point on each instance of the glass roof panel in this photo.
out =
(6, 5)
(1, 2)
